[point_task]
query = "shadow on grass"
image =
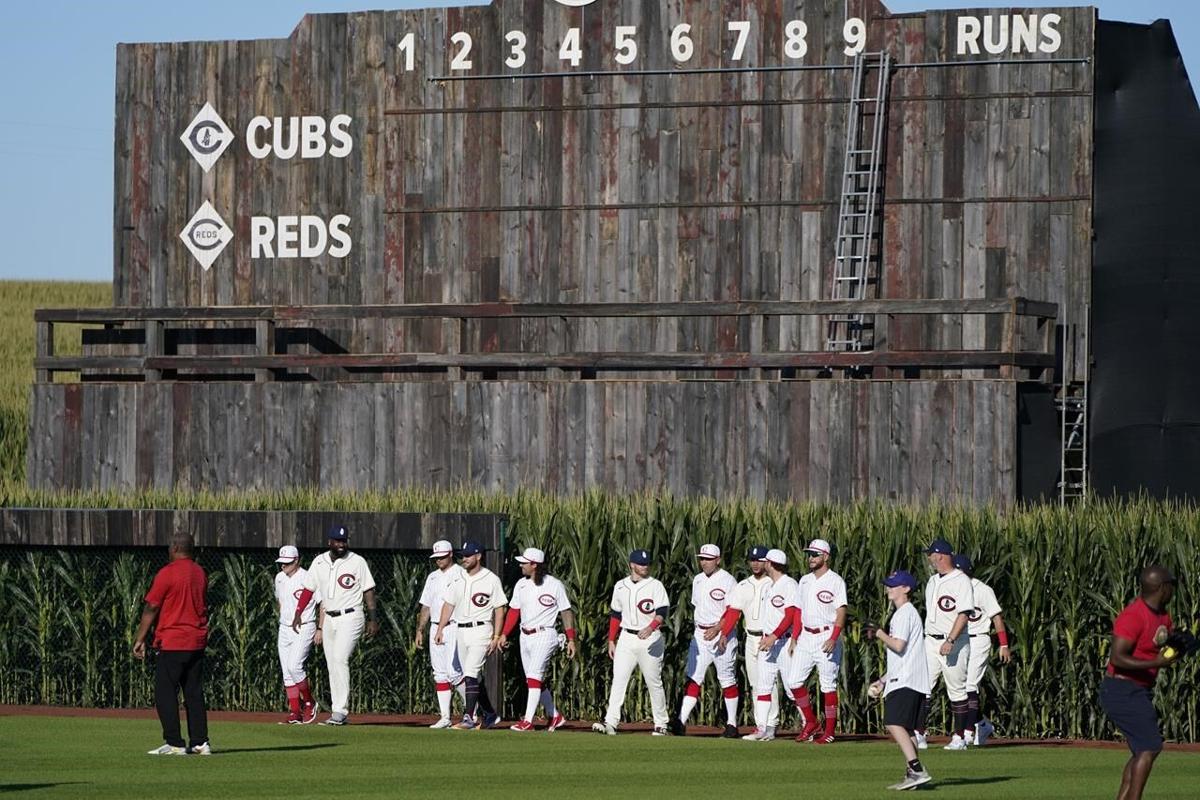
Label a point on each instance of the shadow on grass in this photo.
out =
(971, 781)
(282, 749)
(5, 788)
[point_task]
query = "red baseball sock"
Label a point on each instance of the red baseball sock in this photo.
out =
(831, 705)
(305, 692)
(800, 695)
(293, 697)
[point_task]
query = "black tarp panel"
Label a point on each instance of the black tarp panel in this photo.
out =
(1145, 391)
(1038, 435)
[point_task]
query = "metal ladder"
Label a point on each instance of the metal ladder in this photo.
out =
(1071, 400)
(862, 182)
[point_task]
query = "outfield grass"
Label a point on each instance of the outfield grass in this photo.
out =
(96, 758)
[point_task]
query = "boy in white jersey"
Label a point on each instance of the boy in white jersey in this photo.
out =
(986, 612)
(821, 600)
(475, 604)
(905, 685)
(748, 600)
(538, 600)
(712, 590)
(294, 646)
(443, 658)
(949, 603)
(778, 615)
(639, 606)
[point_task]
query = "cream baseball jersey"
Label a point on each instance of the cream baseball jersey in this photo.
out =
(540, 605)
(947, 596)
(475, 596)
(986, 606)
(776, 601)
(287, 594)
(819, 599)
(749, 600)
(339, 581)
(711, 595)
(433, 596)
(636, 601)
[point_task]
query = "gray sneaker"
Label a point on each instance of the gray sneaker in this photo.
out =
(167, 750)
(202, 749)
(914, 779)
(604, 727)
(336, 719)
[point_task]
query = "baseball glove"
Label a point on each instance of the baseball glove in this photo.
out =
(1183, 643)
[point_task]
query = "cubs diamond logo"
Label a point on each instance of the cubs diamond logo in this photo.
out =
(546, 600)
(206, 235)
(646, 606)
(480, 599)
(975, 615)
(346, 581)
(207, 136)
(946, 603)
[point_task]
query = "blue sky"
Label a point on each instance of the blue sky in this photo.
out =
(57, 62)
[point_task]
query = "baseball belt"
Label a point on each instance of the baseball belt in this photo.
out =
(753, 633)
(938, 636)
(339, 613)
(817, 630)
(531, 631)
(472, 624)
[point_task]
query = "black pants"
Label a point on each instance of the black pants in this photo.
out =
(175, 670)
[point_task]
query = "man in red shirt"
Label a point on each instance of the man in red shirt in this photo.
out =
(177, 601)
(1126, 693)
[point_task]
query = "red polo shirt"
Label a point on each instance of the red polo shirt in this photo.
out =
(1139, 623)
(179, 591)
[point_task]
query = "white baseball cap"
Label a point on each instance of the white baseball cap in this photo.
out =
(709, 551)
(287, 553)
(532, 556)
(819, 546)
(777, 556)
(441, 549)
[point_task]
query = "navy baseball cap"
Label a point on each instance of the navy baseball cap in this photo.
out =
(640, 557)
(758, 553)
(940, 546)
(470, 548)
(338, 532)
(900, 578)
(962, 561)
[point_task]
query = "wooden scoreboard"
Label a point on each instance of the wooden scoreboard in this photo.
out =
(568, 244)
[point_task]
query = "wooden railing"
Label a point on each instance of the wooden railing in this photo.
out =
(267, 363)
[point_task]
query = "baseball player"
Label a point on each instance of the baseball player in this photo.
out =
(979, 627)
(949, 603)
(821, 600)
(475, 604)
(537, 600)
(639, 607)
(342, 580)
(748, 600)
(293, 646)
(778, 616)
(443, 658)
(712, 590)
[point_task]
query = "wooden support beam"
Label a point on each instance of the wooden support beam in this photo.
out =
(264, 341)
(44, 348)
(153, 346)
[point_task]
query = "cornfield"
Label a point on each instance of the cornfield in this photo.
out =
(67, 615)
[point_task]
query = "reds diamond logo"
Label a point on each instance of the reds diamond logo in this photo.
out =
(206, 235)
(346, 581)
(777, 601)
(547, 600)
(480, 599)
(717, 594)
(946, 603)
(646, 606)
(206, 137)
(825, 596)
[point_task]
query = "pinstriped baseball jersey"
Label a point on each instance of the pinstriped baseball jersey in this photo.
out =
(637, 601)
(287, 594)
(776, 600)
(540, 605)
(749, 599)
(711, 595)
(986, 607)
(819, 598)
(947, 596)
(474, 597)
(433, 596)
(340, 581)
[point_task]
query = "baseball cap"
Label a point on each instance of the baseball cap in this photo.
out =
(757, 553)
(640, 557)
(940, 546)
(900, 578)
(819, 546)
(441, 549)
(777, 556)
(287, 553)
(532, 555)
(338, 532)
(962, 561)
(709, 551)
(470, 548)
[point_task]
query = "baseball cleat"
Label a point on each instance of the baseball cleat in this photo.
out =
(556, 723)
(676, 727)
(489, 721)
(810, 730)
(604, 727)
(292, 719)
(914, 779)
(308, 714)
(202, 749)
(919, 741)
(336, 719)
(167, 750)
(757, 736)
(521, 727)
(956, 743)
(467, 724)
(441, 724)
(983, 732)
(731, 732)
(769, 734)
(661, 731)
(824, 738)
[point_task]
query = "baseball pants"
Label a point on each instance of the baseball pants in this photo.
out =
(977, 662)
(537, 650)
(339, 638)
(751, 653)
(810, 656)
(647, 656)
(472, 648)
(773, 664)
(953, 668)
(702, 654)
(176, 670)
(293, 651)
(443, 658)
